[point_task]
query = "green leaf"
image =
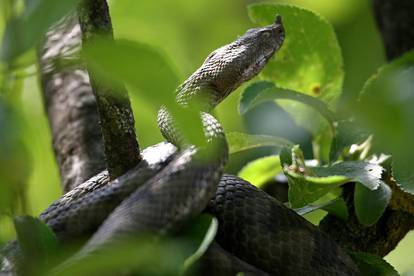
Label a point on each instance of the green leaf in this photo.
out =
(135, 255)
(370, 205)
(249, 95)
(301, 192)
(23, 32)
(285, 156)
(208, 238)
(261, 170)
(372, 265)
(367, 174)
(264, 91)
(14, 157)
(37, 241)
(403, 174)
(310, 59)
(386, 110)
(139, 65)
(336, 207)
(142, 67)
(241, 141)
(307, 185)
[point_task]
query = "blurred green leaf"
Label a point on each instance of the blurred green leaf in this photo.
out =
(139, 65)
(240, 141)
(347, 132)
(261, 170)
(149, 72)
(139, 256)
(204, 242)
(370, 205)
(386, 110)
(14, 157)
(37, 241)
(285, 156)
(23, 32)
(372, 265)
(249, 95)
(310, 59)
(264, 91)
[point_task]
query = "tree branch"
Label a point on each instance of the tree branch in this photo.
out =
(395, 19)
(70, 105)
(384, 235)
(115, 113)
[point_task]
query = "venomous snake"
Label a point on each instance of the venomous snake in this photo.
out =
(175, 181)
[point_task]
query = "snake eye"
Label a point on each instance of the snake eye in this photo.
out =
(266, 34)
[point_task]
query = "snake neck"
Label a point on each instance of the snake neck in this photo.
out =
(222, 72)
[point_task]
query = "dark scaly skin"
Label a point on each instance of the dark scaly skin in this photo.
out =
(81, 211)
(223, 71)
(98, 198)
(180, 191)
(263, 232)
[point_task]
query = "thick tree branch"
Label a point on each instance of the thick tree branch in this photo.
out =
(395, 19)
(115, 113)
(383, 236)
(70, 105)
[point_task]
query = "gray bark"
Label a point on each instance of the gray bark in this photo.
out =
(395, 19)
(70, 105)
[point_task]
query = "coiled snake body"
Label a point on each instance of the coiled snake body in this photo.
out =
(173, 184)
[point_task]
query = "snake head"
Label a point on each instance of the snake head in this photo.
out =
(257, 46)
(226, 68)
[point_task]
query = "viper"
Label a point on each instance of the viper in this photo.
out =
(177, 180)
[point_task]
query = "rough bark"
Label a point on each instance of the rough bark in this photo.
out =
(384, 235)
(70, 105)
(115, 112)
(395, 19)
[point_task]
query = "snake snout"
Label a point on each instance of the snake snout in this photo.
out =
(278, 29)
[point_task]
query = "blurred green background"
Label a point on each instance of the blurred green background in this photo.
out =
(186, 31)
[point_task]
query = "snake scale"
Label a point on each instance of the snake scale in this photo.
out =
(175, 181)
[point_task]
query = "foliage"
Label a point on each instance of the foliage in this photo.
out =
(309, 61)
(261, 170)
(24, 31)
(37, 242)
(370, 264)
(390, 92)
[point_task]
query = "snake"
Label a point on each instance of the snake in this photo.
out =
(176, 181)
